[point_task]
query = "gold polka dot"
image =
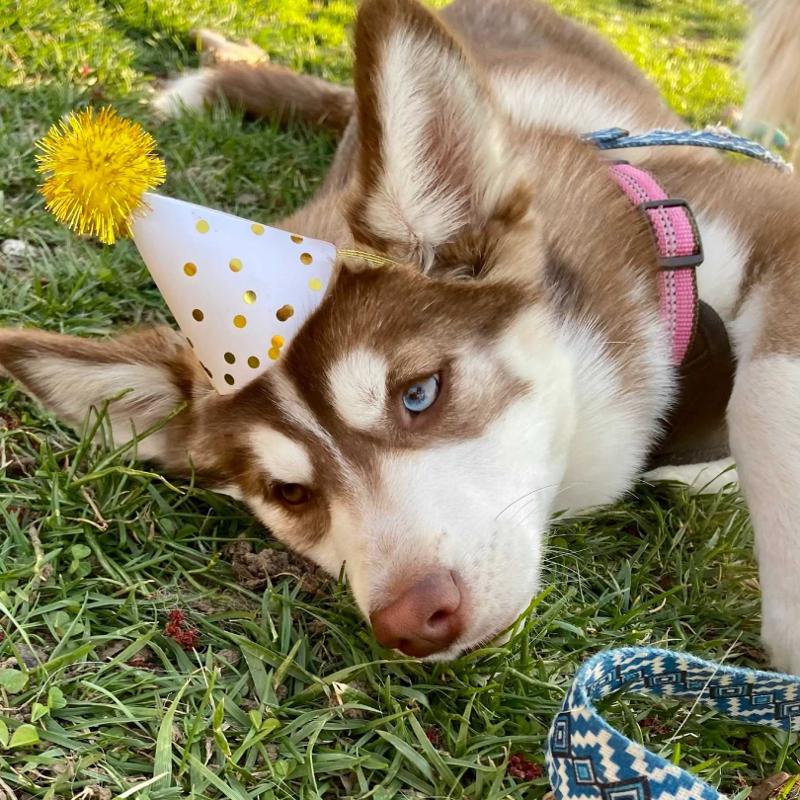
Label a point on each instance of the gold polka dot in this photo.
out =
(230, 358)
(284, 312)
(198, 315)
(235, 264)
(249, 297)
(201, 226)
(306, 258)
(257, 229)
(274, 353)
(190, 269)
(277, 341)
(253, 362)
(297, 239)
(229, 379)
(240, 321)
(315, 284)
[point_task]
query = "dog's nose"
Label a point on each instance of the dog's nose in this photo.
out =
(425, 619)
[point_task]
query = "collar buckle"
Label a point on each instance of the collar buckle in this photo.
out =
(691, 261)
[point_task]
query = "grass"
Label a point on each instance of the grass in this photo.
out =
(286, 695)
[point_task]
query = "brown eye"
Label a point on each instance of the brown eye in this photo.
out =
(293, 494)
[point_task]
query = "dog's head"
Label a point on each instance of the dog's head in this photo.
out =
(416, 429)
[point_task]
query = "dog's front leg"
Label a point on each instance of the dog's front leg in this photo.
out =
(764, 418)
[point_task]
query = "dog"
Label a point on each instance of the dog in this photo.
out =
(510, 362)
(771, 64)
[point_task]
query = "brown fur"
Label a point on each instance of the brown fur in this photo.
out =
(263, 90)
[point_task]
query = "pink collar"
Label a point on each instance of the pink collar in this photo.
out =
(680, 251)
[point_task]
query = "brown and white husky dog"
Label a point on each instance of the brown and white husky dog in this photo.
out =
(433, 414)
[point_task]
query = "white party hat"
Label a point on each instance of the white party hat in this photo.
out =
(239, 290)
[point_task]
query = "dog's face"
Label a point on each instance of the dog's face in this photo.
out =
(408, 434)
(416, 428)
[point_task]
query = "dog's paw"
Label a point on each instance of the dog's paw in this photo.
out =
(709, 478)
(780, 633)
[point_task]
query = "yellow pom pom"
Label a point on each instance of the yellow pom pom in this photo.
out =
(97, 168)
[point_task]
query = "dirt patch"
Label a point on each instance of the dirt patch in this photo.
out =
(255, 570)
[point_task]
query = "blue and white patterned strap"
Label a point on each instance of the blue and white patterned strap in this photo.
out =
(588, 760)
(717, 138)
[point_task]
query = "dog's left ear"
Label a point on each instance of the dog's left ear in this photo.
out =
(433, 157)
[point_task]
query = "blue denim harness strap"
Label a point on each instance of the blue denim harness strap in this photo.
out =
(716, 138)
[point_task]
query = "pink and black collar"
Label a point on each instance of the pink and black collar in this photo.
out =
(674, 227)
(680, 251)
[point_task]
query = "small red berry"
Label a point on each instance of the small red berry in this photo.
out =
(177, 629)
(523, 769)
(434, 736)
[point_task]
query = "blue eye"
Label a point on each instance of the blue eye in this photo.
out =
(421, 396)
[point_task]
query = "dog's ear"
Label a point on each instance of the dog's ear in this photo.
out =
(150, 371)
(432, 145)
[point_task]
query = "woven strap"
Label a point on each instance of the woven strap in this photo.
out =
(587, 759)
(679, 248)
(716, 138)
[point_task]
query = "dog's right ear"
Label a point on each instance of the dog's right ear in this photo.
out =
(151, 371)
(433, 159)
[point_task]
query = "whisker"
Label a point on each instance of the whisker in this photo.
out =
(527, 504)
(523, 497)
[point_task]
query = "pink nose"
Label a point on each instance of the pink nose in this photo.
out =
(427, 618)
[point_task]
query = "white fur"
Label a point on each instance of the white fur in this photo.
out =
(282, 458)
(408, 197)
(719, 277)
(614, 429)
(357, 383)
(746, 329)
(559, 101)
(764, 423)
(189, 92)
(272, 516)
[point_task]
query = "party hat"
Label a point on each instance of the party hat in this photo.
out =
(239, 290)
